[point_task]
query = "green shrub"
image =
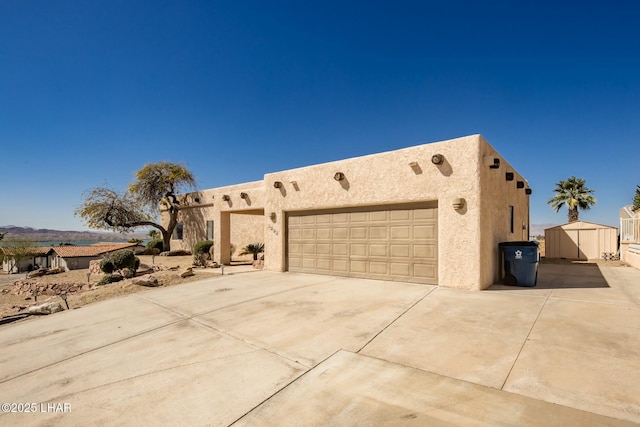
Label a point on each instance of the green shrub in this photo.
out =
(124, 258)
(106, 265)
(120, 260)
(202, 247)
(155, 244)
(110, 278)
(253, 249)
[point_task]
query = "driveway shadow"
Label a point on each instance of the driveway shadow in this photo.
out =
(564, 274)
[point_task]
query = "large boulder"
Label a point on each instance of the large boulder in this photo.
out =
(46, 308)
(146, 280)
(188, 272)
(37, 273)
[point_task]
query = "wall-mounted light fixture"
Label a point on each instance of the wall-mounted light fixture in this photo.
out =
(527, 191)
(339, 176)
(413, 164)
(458, 203)
(509, 176)
(277, 184)
(437, 159)
(272, 216)
(243, 195)
(519, 184)
(226, 198)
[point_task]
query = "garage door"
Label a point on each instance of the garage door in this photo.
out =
(389, 243)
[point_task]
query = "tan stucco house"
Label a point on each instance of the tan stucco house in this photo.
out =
(432, 213)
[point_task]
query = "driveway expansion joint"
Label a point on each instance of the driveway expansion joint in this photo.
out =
(524, 342)
(100, 347)
(396, 319)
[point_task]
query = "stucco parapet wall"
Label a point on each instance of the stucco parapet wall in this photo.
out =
(239, 197)
(401, 176)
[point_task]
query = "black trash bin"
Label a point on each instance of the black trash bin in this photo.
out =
(519, 263)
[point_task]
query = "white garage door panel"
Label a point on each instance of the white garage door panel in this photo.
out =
(398, 243)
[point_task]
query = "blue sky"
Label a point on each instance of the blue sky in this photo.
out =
(91, 91)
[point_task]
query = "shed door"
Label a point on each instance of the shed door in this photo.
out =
(389, 243)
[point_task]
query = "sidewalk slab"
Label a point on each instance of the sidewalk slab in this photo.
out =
(472, 336)
(208, 295)
(35, 343)
(585, 355)
(310, 323)
(350, 389)
(182, 374)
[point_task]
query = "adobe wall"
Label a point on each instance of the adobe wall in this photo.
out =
(468, 237)
(241, 217)
(497, 195)
(388, 178)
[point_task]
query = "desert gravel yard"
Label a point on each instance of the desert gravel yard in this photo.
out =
(266, 348)
(11, 304)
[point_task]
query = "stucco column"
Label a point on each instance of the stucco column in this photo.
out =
(222, 239)
(274, 240)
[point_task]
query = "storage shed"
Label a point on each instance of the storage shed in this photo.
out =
(580, 240)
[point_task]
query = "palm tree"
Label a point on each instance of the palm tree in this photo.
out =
(254, 249)
(574, 195)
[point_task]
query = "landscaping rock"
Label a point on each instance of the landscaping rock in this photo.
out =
(46, 308)
(37, 273)
(147, 280)
(177, 252)
(94, 267)
(45, 272)
(188, 272)
(26, 287)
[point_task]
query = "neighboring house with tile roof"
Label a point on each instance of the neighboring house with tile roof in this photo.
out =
(39, 256)
(79, 257)
(68, 257)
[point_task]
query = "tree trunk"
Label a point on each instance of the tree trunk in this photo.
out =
(166, 241)
(573, 214)
(173, 222)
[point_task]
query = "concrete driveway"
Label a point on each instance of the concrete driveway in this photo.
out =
(266, 348)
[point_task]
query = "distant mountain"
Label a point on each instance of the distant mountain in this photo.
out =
(46, 235)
